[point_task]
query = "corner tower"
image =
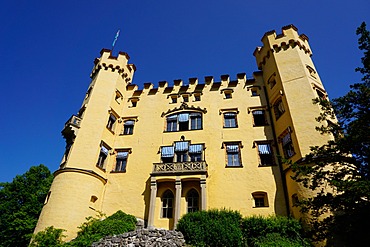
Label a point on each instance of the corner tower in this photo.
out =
(291, 83)
(79, 184)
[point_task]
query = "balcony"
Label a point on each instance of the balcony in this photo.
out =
(74, 121)
(71, 127)
(189, 167)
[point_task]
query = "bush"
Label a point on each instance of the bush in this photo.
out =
(212, 228)
(49, 237)
(95, 228)
(258, 230)
(90, 231)
(276, 240)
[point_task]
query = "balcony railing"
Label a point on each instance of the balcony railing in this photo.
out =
(180, 167)
(74, 121)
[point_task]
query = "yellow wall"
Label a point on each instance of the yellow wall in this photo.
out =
(226, 187)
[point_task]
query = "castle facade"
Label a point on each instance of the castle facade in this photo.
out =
(159, 152)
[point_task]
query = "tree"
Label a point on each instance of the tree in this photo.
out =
(21, 202)
(339, 170)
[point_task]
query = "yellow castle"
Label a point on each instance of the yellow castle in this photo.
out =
(161, 151)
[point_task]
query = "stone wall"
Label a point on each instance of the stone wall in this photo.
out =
(143, 238)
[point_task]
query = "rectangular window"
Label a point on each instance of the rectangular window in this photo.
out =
(171, 123)
(196, 121)
(287, 144)
(167, 154)
(111, 122)
(183, 119)
(233, 155)
(259, 118)
(102, 157)
(265, 154)
(278, 108)
(181, 150)
(260, 199)
(121, 161)
(128, 127)
(230, 120)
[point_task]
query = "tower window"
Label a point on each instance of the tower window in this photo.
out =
(192, 199)
(197, 97)
(254, 92)
(260, 199)
(259, 118)
(111, 122)
(128, 127)
(103, 154)
(185, 98)
(167, 204)
(121, 161)
(230, 120)
(174, 99)
(287, 145)
(228, 95)
(278, 108)
(265, 154)
(233, 155)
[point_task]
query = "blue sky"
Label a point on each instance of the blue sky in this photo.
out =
(48, 47)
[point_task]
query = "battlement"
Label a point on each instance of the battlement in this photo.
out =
(192, 85)
(272, 42)
(118, 64)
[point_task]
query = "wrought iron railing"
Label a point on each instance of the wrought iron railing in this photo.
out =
(180, 167)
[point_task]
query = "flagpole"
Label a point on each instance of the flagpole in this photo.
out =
(115, 40)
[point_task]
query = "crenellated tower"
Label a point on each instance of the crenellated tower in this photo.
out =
(78, 187)
(291, 82)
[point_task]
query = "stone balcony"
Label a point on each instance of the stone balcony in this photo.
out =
(179, 168)
(71, 127)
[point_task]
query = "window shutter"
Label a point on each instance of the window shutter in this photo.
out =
(122, 155)
(264, 148)
(129, 123)
(167, 152)
(196, 149)
(183, 117)
(104, 150)
(232, 148)
(181, 146)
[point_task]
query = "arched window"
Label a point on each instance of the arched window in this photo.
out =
(193, 201)
(167, 204)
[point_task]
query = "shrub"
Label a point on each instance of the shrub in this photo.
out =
(276, 240)
(49, 237)
(212, 228)
(96, 228)
(258, 230)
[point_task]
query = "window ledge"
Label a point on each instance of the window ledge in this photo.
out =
(165, 131)
(118, 171)
(241, 166)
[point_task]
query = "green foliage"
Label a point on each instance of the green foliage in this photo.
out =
(212, 228)
(96, 228)
(342, 165)
(21, 202)
(276, 240)
(262, 231)
(49, 237)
